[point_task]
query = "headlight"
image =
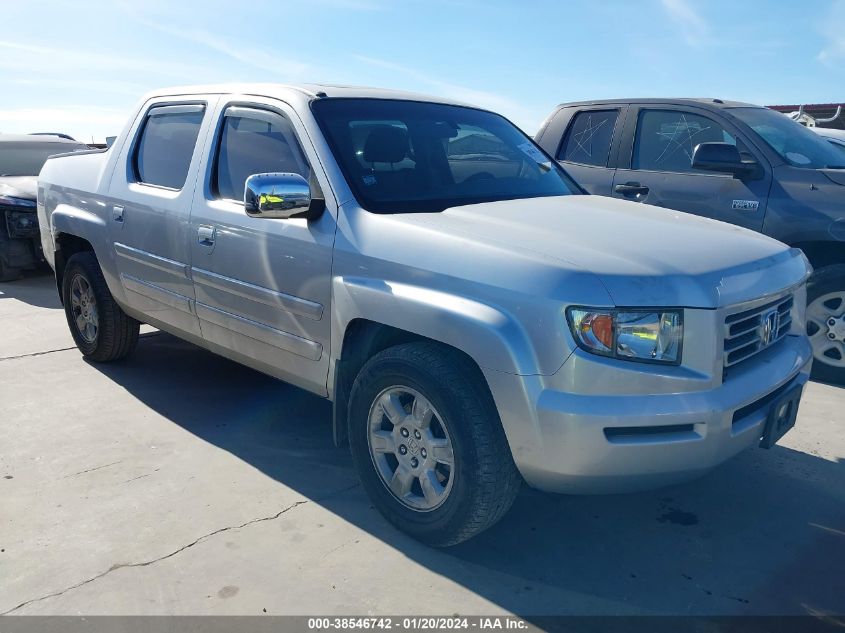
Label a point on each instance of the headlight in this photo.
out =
(10, 201)
(629, 333)
(24, 220)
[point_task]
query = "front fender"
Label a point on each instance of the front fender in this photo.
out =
(488, 334)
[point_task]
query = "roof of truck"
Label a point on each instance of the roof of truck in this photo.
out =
(709, 102)
(309, 89)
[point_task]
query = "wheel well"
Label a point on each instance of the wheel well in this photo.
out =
(823, 254)
(67, 246)
(362, 340)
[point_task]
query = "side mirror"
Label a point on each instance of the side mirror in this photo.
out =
(280, 196)
(722, 157)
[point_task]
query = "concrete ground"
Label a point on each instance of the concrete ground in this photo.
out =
(177, 482)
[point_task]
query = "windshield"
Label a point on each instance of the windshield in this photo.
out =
(794, 143)
(26, 158)
(408, 156)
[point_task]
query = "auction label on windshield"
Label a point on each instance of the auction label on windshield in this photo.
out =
(533, 153)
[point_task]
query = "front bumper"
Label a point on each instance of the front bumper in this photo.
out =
(588, 443)
(20, 244)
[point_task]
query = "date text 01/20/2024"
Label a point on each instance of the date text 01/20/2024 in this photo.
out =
(418, 623)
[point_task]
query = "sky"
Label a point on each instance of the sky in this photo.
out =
(80, 66)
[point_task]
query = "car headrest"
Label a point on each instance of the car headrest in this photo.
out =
(386, 144)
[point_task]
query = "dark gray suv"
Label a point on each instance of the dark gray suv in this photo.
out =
(730, 161)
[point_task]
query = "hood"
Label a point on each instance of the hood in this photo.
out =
(19, 186)
(642, 255)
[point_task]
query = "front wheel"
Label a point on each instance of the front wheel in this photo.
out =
(826, 323)
(102, 331)
(428, 444)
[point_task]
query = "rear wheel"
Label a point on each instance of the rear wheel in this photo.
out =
(826, 323)
(428, 444)
(102, 331)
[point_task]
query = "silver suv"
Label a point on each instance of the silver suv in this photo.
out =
(475, 318)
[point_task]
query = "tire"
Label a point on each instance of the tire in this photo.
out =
(8, 274)
(826, 301)
(482, 481)
(114, 335)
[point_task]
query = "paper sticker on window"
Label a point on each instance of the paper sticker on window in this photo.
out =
(369, 179)
(533, 153)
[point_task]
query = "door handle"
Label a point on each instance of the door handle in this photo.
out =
(117, 213)
(206, 235)
(631, 189)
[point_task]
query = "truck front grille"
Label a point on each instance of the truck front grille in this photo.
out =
(751, 331)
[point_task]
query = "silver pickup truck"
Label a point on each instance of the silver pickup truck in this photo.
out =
(476, 319)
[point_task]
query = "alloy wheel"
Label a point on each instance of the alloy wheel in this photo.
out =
(84, 308)
(411, 448)
(826, 328)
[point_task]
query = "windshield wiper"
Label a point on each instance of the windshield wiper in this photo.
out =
(834, 166)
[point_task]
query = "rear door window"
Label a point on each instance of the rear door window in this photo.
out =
(166, 145)
(254, 141)
(666, 140)
(589, 138)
